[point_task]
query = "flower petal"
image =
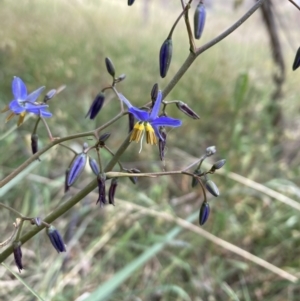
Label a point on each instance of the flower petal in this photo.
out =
(141, 115)
(166, 121)
(19, 89)
(125, 100)
(156, 106)
(32, 97)
(15, 107)
(45, 114)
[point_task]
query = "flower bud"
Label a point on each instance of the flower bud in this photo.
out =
(49, 95)
(66, 179)
(217, 165)
(199, 20)
(34, 143)
(120, 78)
(134, 179)
(165, 57)
(36, 221)
(110, 66)
(204, 213)
(94, 166)
(18, 255)
(297, 60)
(130, 122)
(101, 190)
(112, 191)
(195, 181)
(76, 168)
(183, 107)
(56, 239)
(162, 142)
(96, 106)
(212, 188)
(130, 2)
(211, 150)
(103, 138)
(154, 92)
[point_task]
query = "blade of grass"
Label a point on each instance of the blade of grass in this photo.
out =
(105, 290)
(23, 282)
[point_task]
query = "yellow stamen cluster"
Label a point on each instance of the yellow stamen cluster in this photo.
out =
(138, 131)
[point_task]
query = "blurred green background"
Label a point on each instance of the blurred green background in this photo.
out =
(230, 86)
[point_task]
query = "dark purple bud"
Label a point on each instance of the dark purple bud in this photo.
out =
(103, 138)
(204, 213)
(110, 66)
(162, 142)
(96, 106)
(199, 20)
(134, 179)
(94, 166)
(212, 188)
(49, 95)
(183, 107)
(297, 60)
(18, 255)
(211, 150)
(154, 92)
(219, 164)
(66, 180)
(34, 143)
(101, 190)
(165, 57)
(130, 2)
(56, 239)
(130, 122)
(76, 168)
(112, 191)
(195, 181)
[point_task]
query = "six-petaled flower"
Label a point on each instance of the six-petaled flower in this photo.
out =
(149, 123)
(23, 103)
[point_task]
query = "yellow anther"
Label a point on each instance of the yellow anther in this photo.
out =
(21, 118)
(9, 117)
(150, 134)
(137, 132)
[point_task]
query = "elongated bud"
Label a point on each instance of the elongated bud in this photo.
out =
(134, 179)
(34, 143)
(199, 20)
(94, 166)
(112, 191)
(162, 142)
(154, 92)
(76, 168)
(297, 60)
(130, 2)
(66, 179)
(49, 95)
(130, 122)
(96, 106)
(204, 213)
(101, 190)
(56, 239)
(212, 188)
(18, 255)
(110, 66)
(165, 57)
(217, 165)
(211, 150)
(195, 181)
(103, 138)
(183, 107)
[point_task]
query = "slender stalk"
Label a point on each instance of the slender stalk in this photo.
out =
(192, 56)
(295, 4)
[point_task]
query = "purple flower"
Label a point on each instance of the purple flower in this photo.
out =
(23, 103)
(149, 123)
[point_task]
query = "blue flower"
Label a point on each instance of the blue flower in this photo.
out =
(149, 123)
(23, 103)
